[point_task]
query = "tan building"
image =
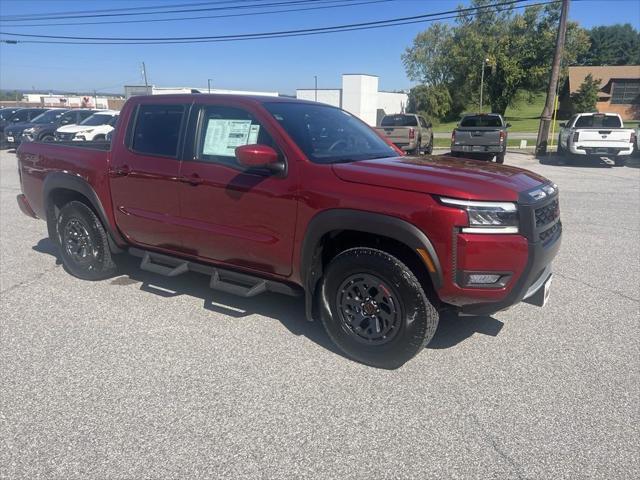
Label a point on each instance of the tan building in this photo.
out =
(619, 88)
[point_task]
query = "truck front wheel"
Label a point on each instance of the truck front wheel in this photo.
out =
(374, 308)
(83, 243)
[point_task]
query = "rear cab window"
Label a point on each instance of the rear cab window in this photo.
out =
(481, 121)
(399, 121)
(598, 121)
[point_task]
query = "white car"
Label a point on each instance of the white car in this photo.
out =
(94, 128)
(598, 134)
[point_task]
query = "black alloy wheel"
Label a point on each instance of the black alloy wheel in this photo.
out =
(83, 242)
(375, 309)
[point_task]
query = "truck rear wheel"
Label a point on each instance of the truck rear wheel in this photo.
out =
(620, 161)
(83, 243)
(500, 157)
(374, 308)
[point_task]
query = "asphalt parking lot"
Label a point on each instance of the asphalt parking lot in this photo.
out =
(147, 377)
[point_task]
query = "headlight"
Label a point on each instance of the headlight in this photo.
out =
(487, 217)
(29, 131)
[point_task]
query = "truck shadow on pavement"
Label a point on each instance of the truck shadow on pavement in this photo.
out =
(581, 162)
(289, 311)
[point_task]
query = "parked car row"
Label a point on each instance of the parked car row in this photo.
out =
(482, 136)
(55, 124)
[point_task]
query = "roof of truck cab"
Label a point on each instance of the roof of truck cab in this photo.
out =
(189, 97)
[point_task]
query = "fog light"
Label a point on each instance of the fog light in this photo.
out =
(482, 279)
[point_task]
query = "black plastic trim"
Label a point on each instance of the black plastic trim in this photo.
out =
(366, 222)
(66, 181)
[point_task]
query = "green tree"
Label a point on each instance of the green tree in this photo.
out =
(612, 45)
(518, 47)
(586, 97)
(430, 101)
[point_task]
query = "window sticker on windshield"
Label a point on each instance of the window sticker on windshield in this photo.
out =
(253, 134)
(223, 136)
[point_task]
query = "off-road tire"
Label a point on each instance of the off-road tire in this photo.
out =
(97, 263)
(416, 151)
(619, 161)
(429, 149)
(416, 321)
(500, 157)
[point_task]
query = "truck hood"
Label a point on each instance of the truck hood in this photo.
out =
(77, 128)
(446, 176)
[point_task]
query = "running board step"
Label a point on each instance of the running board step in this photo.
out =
(237, 283)
(228, 281)
(174, 268)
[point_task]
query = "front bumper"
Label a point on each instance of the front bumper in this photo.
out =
(523, 260)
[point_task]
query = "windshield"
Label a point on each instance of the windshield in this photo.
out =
(399, 121)
(5, 113)
(481, 121)
(597, 121)
(327, 134)
(50, 116)
(97, 119)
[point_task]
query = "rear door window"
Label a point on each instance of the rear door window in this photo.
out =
(157, 129)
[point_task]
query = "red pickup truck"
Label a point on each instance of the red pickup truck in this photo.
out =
(281, 195)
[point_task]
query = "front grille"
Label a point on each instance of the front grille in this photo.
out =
(551, 233)
(547, 214)
(63, 137)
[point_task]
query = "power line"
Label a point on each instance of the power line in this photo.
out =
(146, 7)
(189, 10)
(296, 33)
(262, 34)
(206, 17)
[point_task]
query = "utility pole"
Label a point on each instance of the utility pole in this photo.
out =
(144, 74)
(95, 99)
(545, 119)
(209, 84)
(316, 87)
(484, 65)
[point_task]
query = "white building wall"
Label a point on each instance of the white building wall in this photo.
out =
(360, 96)
(392, 102)
(133, 90)
(331, 97)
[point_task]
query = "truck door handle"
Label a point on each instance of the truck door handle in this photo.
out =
(121, 171)
(193, 180)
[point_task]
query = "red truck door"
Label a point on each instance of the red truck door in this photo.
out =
(230, 214)
(144, 176)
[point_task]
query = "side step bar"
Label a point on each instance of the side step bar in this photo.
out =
(229, 281)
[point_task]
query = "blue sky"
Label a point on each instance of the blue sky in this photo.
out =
(275, 64)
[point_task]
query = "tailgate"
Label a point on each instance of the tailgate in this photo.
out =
(477, 136)
(604, 136)
(396, 134)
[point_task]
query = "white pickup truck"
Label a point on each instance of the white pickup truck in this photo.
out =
(596, 134)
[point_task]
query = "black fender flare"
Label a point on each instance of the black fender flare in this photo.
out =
(366, 222)
(67, 181)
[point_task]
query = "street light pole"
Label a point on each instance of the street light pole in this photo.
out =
(209, 84)
(316, 87)
(484, 62)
